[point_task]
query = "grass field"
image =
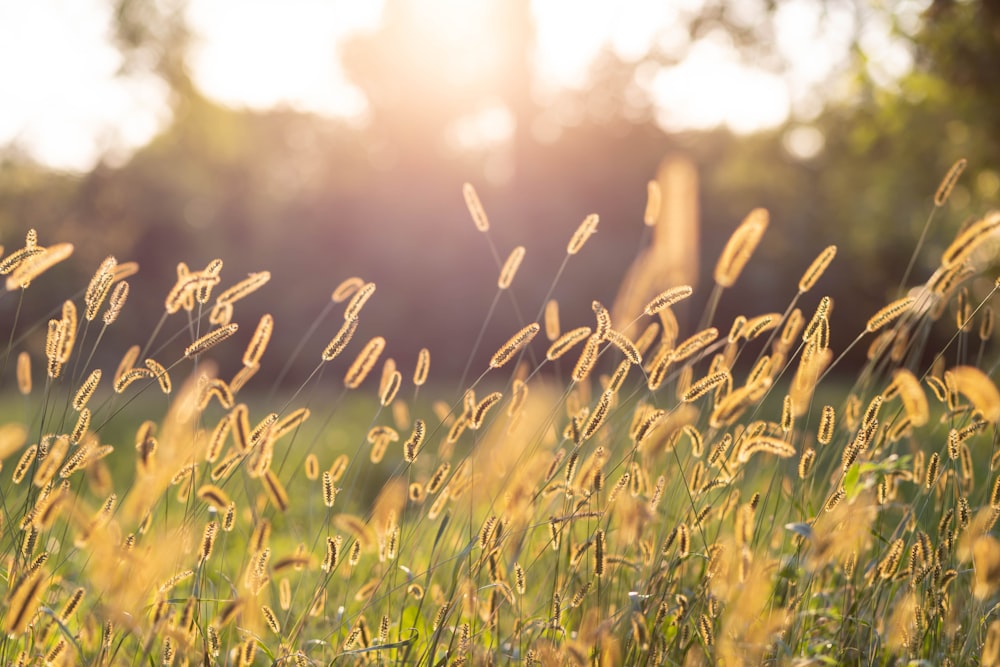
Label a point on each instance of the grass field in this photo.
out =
(625, 492)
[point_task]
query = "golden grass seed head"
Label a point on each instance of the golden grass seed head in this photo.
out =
(475, 208)
(34, 263)
(364, 362)
(705, 630)
(329, 490)
(551, 319)
(969, 240)
(948, 182)
(941, 391)
(358, 301)
(413, 444)
(835, 499)
(890, 562)
(245, 287)
(871, 412)
(440, 475)
(24, 373)
(116, 302)
(311, 466)
(793, 325)
(24, 464)
(221, 314)
(566, 342)
(826, 425)
(586, 229)
(668, 298)
(71, 605)
(816, 269)
(339, 467)
(258, 343)
(387, 392)
(695, 343)
(603, 320)
(755, 326)
(160, 373)
(705, 385)
(618, 377)
(933, 468)
(597, 417)
(821, 314)
(765, 444)
(86, 390)
(482, 408)
(347, 288)
(214, 496)
(422, 368)
(514, 344)
(806, 463)
(14, 260)
(99, 287)
(332, 557)
(208, 540)
(510, 267)
(209, 340)
(81, 427)
(986, 323)
(889, 313)
(340, 340)
(271, 619)
(625, 345)
(953, 443)
(787, 416)
(275, 490)
(519, 394)
(964, 512)
(740, 247)
(976, 386)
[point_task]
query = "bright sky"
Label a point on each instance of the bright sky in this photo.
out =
(62, 102)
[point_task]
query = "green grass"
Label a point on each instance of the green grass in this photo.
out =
(604, 520)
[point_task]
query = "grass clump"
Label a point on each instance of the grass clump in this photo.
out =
(639, 493)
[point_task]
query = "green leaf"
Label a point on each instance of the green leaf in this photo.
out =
(851, 480)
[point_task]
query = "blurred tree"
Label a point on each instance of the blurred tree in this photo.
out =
(153, 37)
(299, 195)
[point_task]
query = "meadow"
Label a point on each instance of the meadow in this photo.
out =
(634, 490)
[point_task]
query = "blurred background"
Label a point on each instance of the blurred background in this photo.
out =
(321, 139)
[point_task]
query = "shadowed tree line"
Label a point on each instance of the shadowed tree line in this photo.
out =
(316, 201)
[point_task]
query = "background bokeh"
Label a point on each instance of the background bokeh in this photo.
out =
(434, 97)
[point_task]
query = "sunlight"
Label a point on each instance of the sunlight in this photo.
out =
(62, 101)
(278, 54)
(259, 55)
(711, 87)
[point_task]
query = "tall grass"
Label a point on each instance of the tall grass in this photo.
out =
(625, 492)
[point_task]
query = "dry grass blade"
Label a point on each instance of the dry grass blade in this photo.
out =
(654, 202)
